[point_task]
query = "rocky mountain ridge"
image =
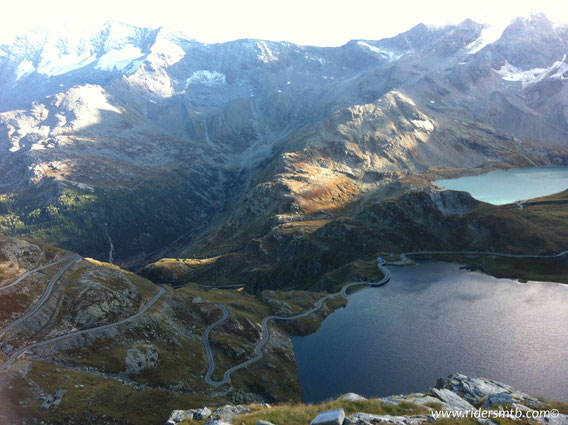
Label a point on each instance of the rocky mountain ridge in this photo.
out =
(94, 123)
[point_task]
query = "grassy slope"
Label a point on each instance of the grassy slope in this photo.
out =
(78, 219)
(174, 326)
(322, 252)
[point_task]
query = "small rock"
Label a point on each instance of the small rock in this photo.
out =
(202, 413)
(367, 419)
(229, 411)
(331, 417)
(454, 401)
(424, 400)
(178, 416)
(390, 400)
(498, 398)
(472, 389)
(558, 420)
(352, 397)
(477, 390)
(264, 423)
(485, 421)
(141, 357)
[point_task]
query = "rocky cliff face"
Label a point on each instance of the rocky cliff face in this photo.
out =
(108, 132)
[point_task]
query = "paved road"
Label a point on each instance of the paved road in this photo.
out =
(384, 280)
(207, 346)
(21, 351)
(26, 274)
(44, 297)
(266, 333)
(404, 255)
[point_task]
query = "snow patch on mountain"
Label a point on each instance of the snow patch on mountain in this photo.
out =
(85, 97)
(153, 76)
(489, 35)
(59, 50)
(210, 78)
(167, 48)
(423, 125)
(24, 69)
(60, 115)
(386, 54)
(558, 70)
(119, 60)
(65, 63)
(266, 55)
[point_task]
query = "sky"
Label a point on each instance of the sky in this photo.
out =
(313, 22)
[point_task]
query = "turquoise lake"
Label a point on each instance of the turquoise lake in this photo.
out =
(504, 187)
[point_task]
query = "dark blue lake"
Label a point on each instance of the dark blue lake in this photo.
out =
(434, 319)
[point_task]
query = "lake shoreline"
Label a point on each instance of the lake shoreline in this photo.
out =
(381, 342)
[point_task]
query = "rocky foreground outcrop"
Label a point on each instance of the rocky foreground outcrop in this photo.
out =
(457, 394)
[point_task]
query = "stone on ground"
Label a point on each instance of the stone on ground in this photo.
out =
(454, 401)
(352, 397)
(202, 413)
(367, 419)
(178, 416)
(331, 417)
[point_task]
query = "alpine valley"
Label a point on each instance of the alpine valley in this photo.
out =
(179, 193)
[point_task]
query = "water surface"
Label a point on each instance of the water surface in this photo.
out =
(434, 319)
(504, 187)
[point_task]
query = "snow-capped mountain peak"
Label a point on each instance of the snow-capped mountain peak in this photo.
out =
(57, 51)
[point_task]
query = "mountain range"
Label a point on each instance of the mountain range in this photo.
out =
(243, 180)
(147, 141)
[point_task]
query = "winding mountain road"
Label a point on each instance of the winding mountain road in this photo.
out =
(207, 346)
(386, 277)
(26, 274)
(404, 255)
(266, 333)
(46, 293)
(225, 313)
(21, 351)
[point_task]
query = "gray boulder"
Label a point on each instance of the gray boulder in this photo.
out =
(472, 389)
(229, 411)
(200, 414)
(498, 398)
(558, 420)
(390, 400)
(478, 390)
(486, 421)
(178, 416)
(140, 358)
(331, 417)
(367, 419)
(451, 399)
(351, 397)
(425, 400)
